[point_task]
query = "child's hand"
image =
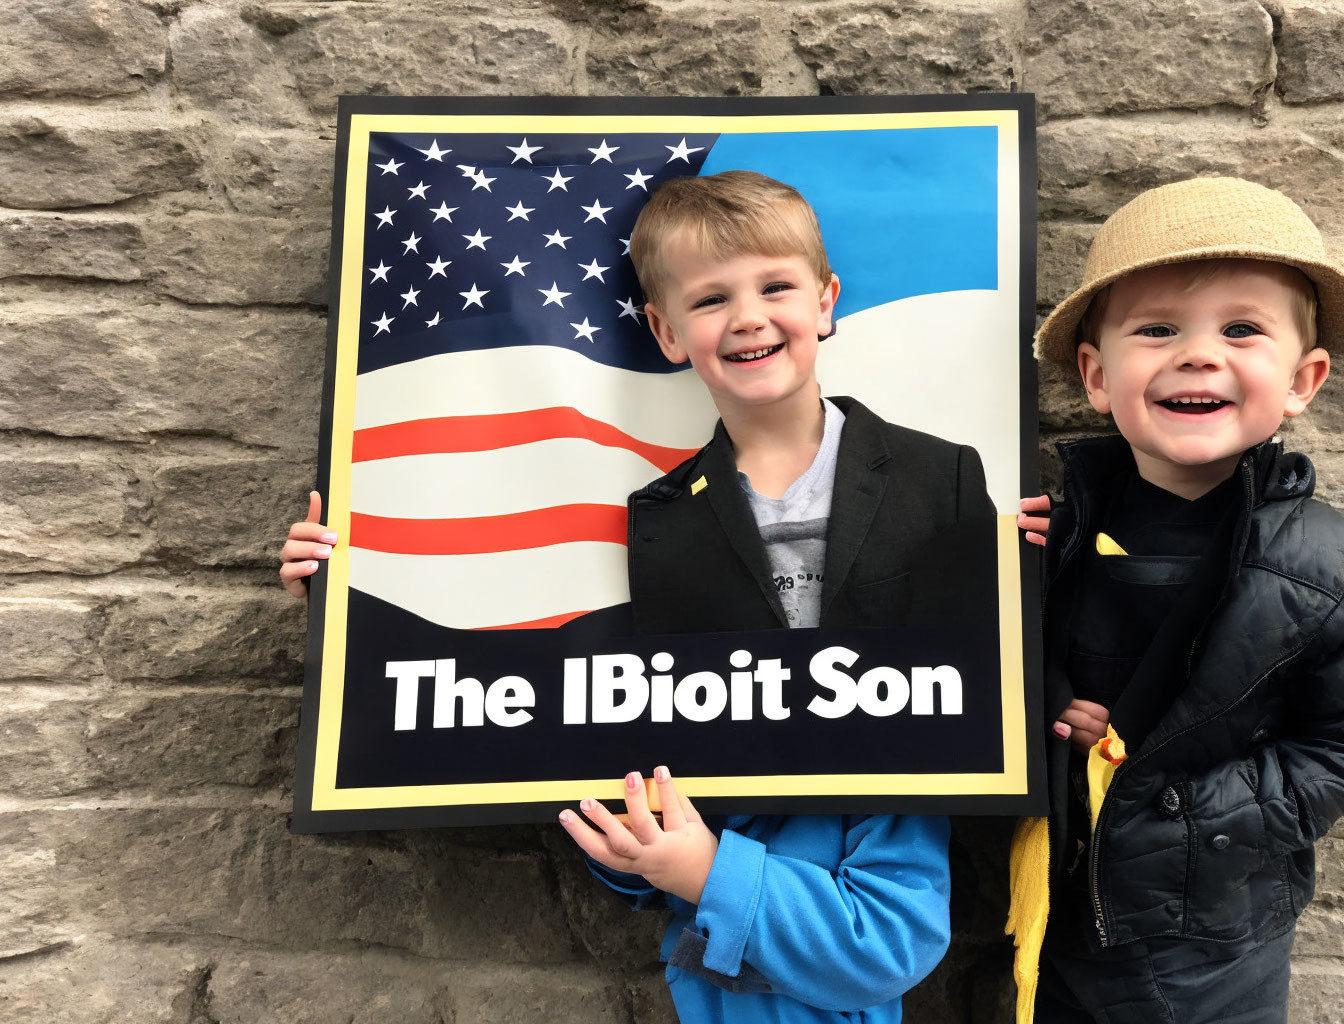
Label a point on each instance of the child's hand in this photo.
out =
(676, 857)
(1036, 526)
(308, 540)
(1082, 722)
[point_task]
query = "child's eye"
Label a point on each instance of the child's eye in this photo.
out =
(776, 286)
(708, 300)
(1241, 330)
(1156, 331)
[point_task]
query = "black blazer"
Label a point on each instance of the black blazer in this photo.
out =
(911, 538)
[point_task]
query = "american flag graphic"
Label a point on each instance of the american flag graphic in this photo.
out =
(509, 394)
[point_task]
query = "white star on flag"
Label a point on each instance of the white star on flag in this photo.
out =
(388, 168)
(410, 297)
(383, 323)
(602, 152)
(474, 296)
(434, 322)
(434, 152)
(625, 242)
(638, 178)
(519, 211)
(558, 180)
(379, 272)
(593, 270)
(553, 295)
(444, 212)
(468, 170)
(555, 238)
(437, 267)
(597, 210)
(411, 244)
(681, 151)
(418, 192)
(386, 216)
(628, 309)
(584, 330)
(515, 266)
(481, 181)
(522, 151)
(477, 241)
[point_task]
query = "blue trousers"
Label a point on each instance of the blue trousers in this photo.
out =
(1164, 981)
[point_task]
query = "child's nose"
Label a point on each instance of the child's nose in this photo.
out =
(1200, 351)
(747, 316)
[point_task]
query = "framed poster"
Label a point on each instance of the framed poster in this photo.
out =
(493, 395)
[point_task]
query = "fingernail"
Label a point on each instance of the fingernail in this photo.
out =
(312, 567)
(328, 538)
(323, 551)
(661, 774)
(1021, 517)
(1061, 730)
(632, 780)
(587, 805)
(566, 818)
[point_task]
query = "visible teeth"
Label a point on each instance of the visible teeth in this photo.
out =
(760, 353)
(1194, 400)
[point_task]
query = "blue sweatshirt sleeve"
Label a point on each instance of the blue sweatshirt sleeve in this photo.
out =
(838, 939)
(634, 890)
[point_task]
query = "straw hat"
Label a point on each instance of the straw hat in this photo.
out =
(1203, 218)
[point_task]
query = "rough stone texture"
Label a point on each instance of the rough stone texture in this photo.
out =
(1310, 48)
(189, 633)
(71, 245)
(1184, 53)
(80, 47)
(48, 638)
(70, 158)
(165, 190)
(913, 47)
(94, 366)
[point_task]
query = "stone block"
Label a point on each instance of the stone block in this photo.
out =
(49, 639)
(42, 750)
(71, 245)
(225, 64)
(1061, 250)
(76, 158)
(663, 49)
(279, 174)
(1316, 991)
(414, 49)
(1090, 167)
(100, 367)
(228, 511)
(223, 633)
(80, 48)
(231, 259)
(1311, 41)
(913, 46)
(75, 513)
(650, 1000)
(1093, 56)
(1322, 923)
(241, 875)
(1063, 402)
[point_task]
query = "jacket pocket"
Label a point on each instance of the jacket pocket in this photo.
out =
(1234, 890)
(884, 602)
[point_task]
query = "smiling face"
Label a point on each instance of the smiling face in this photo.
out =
(1196, 374)
(749, 324)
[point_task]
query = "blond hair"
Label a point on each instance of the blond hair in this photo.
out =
(734, 213)
(1201, 272)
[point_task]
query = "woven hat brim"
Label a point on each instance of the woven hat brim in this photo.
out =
(1055, 340)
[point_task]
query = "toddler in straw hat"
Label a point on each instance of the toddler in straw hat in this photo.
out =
(1194, 645)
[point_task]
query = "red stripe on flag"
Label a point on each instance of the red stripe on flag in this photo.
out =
(550, 622)
(444, 434)
(485, 534)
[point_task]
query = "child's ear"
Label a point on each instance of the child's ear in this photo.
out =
(1308, 377)
(1094, 377)
(664, 335)
(830, 291)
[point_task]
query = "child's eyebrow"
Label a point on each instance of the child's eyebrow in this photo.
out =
(1174, 311)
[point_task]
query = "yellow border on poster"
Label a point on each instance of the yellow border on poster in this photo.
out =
(326, 796)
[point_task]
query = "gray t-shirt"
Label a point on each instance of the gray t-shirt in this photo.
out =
(793, 527)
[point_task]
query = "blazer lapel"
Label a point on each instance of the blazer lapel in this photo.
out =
(733, 512)
(855, 498)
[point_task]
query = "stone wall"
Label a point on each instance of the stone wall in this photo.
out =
(165, 170)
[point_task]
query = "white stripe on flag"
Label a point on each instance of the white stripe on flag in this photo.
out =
(563, 471)
(476, 591)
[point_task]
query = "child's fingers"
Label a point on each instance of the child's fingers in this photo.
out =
(1037, 524)
(302, 550)
(315, 532)
(314, 507)
(1035, 538)
(1062, 729)
(592, 842)
(1040, 503)
(618, 837)
(673, 816)
(639, 818)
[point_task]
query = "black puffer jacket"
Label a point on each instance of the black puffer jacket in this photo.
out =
(1234, 721)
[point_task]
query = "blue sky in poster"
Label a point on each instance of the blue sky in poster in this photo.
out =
(903, 212)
